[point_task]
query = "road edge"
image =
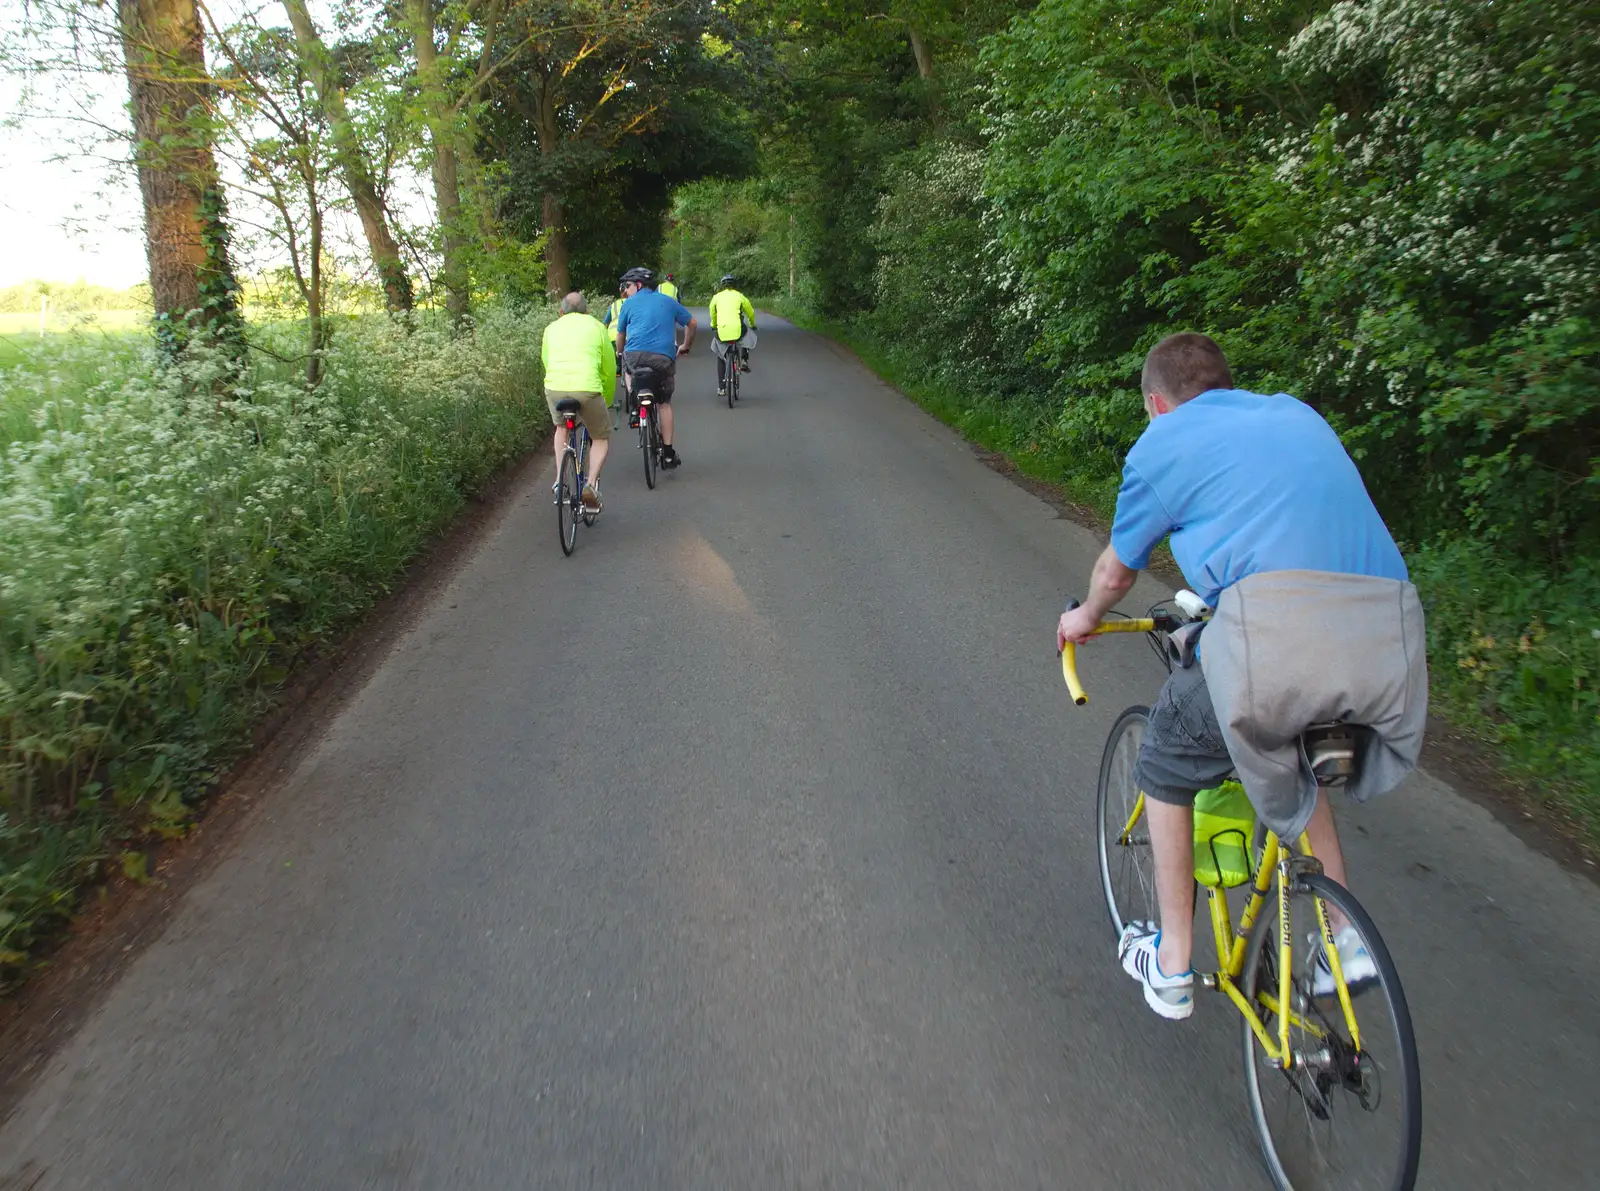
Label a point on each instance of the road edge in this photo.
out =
(122, 918)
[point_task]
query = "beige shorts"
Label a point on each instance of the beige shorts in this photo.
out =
(594, 413)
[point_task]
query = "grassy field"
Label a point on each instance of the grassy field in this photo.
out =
(75, 353)
(20, 337)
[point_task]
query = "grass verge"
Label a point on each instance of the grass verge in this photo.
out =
(174, 540)
(1514, 653)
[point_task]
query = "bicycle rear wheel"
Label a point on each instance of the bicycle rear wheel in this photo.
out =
(1344, 1117)
(1127, 867)
(733, 379)
(568, 498)
(647, 444)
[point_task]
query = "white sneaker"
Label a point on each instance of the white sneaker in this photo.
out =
(1170, 996)
(1359, 970)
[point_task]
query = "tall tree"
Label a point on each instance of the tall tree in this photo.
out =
(439, 116)
(280, 140)
(354, 166)
(186, 232)
(595, 91)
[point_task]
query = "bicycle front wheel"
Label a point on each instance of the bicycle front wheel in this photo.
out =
(1127, 867)
(568, 499)
(1343, 1116)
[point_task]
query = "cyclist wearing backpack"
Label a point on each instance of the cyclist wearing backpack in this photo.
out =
(646, 337)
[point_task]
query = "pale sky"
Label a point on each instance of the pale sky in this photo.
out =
(66, 220)
(81, 217)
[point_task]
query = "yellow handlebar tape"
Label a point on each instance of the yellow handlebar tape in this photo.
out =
(1069, 653)
(1069, 671)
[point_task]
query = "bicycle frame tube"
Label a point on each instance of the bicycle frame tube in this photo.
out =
(1285, 957)
(1326, 927)
(1221, 923)
(1252, 908)
(1127, 828)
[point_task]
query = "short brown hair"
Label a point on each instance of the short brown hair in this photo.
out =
(1185, 365)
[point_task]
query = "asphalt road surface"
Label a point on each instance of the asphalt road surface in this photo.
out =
(751, 847)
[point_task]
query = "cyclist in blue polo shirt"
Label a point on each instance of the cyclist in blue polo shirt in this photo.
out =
(646, 337)
(1315, 621)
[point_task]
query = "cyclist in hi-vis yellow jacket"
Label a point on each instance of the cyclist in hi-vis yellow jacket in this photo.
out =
(613, 313)
(669, 287)
(733, 327)
(580, 364)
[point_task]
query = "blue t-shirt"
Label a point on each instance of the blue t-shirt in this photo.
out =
(647, 319)
(1246, 483)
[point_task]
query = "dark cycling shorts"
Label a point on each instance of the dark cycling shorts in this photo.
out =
(1182, 751)
(653, 371)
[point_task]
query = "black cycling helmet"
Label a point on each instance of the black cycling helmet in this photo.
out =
(639, 274)
(729, 281)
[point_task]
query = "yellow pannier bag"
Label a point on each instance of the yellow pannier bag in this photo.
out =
(1224, 823)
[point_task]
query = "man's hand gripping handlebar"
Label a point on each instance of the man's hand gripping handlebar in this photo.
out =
(1067, 643)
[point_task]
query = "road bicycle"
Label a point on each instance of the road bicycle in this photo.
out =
(734, 369)
(571, 476)
(1333, 1081)
(644, 405)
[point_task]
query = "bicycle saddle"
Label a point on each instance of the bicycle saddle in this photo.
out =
(568, 405)
(1331, 751)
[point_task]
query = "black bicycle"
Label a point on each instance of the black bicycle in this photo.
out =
(642, 411)
(571, 475)
(732, 384)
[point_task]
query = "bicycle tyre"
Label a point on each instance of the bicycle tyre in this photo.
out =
(568, 497)
(647, 444)
(1404, 1067)
(1127, 872)
(733, 380)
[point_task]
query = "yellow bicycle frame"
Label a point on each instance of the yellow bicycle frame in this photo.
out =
(1230, 941)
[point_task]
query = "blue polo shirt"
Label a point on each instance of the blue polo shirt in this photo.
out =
(1247, 483)
(647, 319)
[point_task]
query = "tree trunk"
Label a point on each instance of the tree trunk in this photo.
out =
(186, 235)
(314, 328)
(557, 275)
(921, 52)
(446, 186)
(358, 179)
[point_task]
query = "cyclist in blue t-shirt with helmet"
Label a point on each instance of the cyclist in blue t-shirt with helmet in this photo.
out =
(647, 340)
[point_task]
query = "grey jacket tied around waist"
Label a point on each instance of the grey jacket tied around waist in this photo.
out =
(1288, 649)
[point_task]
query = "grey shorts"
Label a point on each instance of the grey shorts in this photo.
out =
(652, 370)
(1182, 751)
